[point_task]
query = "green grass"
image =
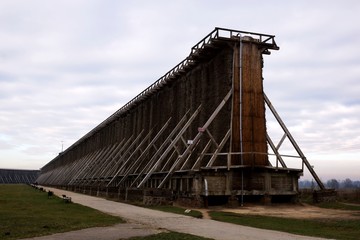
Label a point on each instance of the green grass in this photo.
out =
(338, 229)
(27, 212)
(177, 210)
(338, 205)
(170, 235)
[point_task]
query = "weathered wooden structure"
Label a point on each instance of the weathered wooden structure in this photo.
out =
(15, 176)
(199, 132)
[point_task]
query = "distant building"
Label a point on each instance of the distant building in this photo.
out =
(15, 176)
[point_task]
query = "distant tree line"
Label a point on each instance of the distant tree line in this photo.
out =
(332, 183)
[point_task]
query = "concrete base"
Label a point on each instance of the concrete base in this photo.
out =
(222, 186)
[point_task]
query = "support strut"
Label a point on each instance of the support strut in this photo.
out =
(293, 142)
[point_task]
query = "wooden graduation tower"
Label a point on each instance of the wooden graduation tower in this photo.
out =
(197, 134)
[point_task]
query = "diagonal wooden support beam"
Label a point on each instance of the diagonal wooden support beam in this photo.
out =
(201, 156)
(83, 167)
(99, 173)
(218, 149)
(109, 162)
(79, 165)
(133, 165)
(196, 139)
(137, 150)
(124, 159)
(119, 158)
(126, 152)
(172, 156)
(136, 164)
(293, 142)
(170, 146)
(275, 150)
(212, 138)
(94, 174)
(89, 177)
(281, 142)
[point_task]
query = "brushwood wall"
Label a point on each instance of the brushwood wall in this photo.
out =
(205, 84)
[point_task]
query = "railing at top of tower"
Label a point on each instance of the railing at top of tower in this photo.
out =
(217, 33)
(230, 33)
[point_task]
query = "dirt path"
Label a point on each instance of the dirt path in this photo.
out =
(116, 232)
(157, 220)
(299, 211)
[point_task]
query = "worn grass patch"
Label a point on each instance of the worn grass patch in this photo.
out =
(170, 235)
(28, 212)
(177, 210)
(338, 229)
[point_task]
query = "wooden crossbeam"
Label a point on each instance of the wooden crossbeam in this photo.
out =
(189, 149)
(94, 175)
(84, 169)
(111, 160)
(133, 164)
(99, 173)
(219, 148)
(276, 152)
(281, 142)
(81, 166)
(119, 158)
(202, 154)
(173, 154)
(125, 155)
(136, 151)
(88, 178)
(170, 146)
(72, 169)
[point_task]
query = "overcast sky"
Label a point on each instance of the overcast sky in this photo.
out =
(65, 66)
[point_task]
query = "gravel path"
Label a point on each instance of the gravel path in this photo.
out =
(156, 220)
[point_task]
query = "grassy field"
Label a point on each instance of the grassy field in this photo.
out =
(338, 229)
(339, 205)
(28, 212)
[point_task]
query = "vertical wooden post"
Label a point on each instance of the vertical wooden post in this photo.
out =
(249, 132)
(235, 115)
